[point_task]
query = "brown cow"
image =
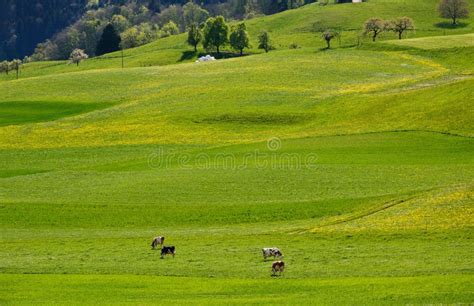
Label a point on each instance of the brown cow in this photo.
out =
(278, 266)
(157, 241)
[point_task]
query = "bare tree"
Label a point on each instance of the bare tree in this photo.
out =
(401, 25)
(453, 9)
(374, 26)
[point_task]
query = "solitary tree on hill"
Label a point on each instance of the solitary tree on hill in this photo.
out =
(239, 38)
(329, 35)
(401, 25)
(453, 9)
(374, 26)
(109, 41)
(264, 41)
(216, 33)
(194, 36)
(77, 55)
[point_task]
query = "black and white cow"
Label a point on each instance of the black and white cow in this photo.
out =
(167, 250)
(157, 241)
(278, 266)
(269, 252)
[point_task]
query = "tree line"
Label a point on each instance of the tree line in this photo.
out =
(213, 33)
(14, 65)
(373, 27)
(51, 29)
(25, 23)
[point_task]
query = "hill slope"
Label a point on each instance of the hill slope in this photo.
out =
(356, 162)
(301, 26)
(190, 103)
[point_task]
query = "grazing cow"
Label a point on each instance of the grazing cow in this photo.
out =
(157, 241)
(278, 266)
(269, 252)
(167, 250)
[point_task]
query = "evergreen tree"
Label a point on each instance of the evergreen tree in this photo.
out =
(155, 6)
(109, 41)
(25, 23)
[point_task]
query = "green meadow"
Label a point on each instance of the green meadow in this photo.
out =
(302, 26)
(357, 162)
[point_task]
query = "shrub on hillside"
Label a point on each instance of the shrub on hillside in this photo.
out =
(169, 29)
(329, 35)
(294, 46)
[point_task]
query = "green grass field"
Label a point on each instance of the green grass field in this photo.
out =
(437, 42)
(302, 26)
(358, 162)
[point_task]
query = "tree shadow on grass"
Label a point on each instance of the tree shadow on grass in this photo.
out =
(226, 54)
(450, 25)
(188, 55)
(323, 49)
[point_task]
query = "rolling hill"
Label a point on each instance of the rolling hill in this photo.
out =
(302, 26)
(356, 161)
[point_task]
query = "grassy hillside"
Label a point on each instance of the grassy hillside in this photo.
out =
(356, 162)
(191, 103)
(437, 42)
(115, 289)
(301, 26)
(384, 208)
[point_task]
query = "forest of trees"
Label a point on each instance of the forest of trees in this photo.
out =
(52, 29)
(24, 23)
